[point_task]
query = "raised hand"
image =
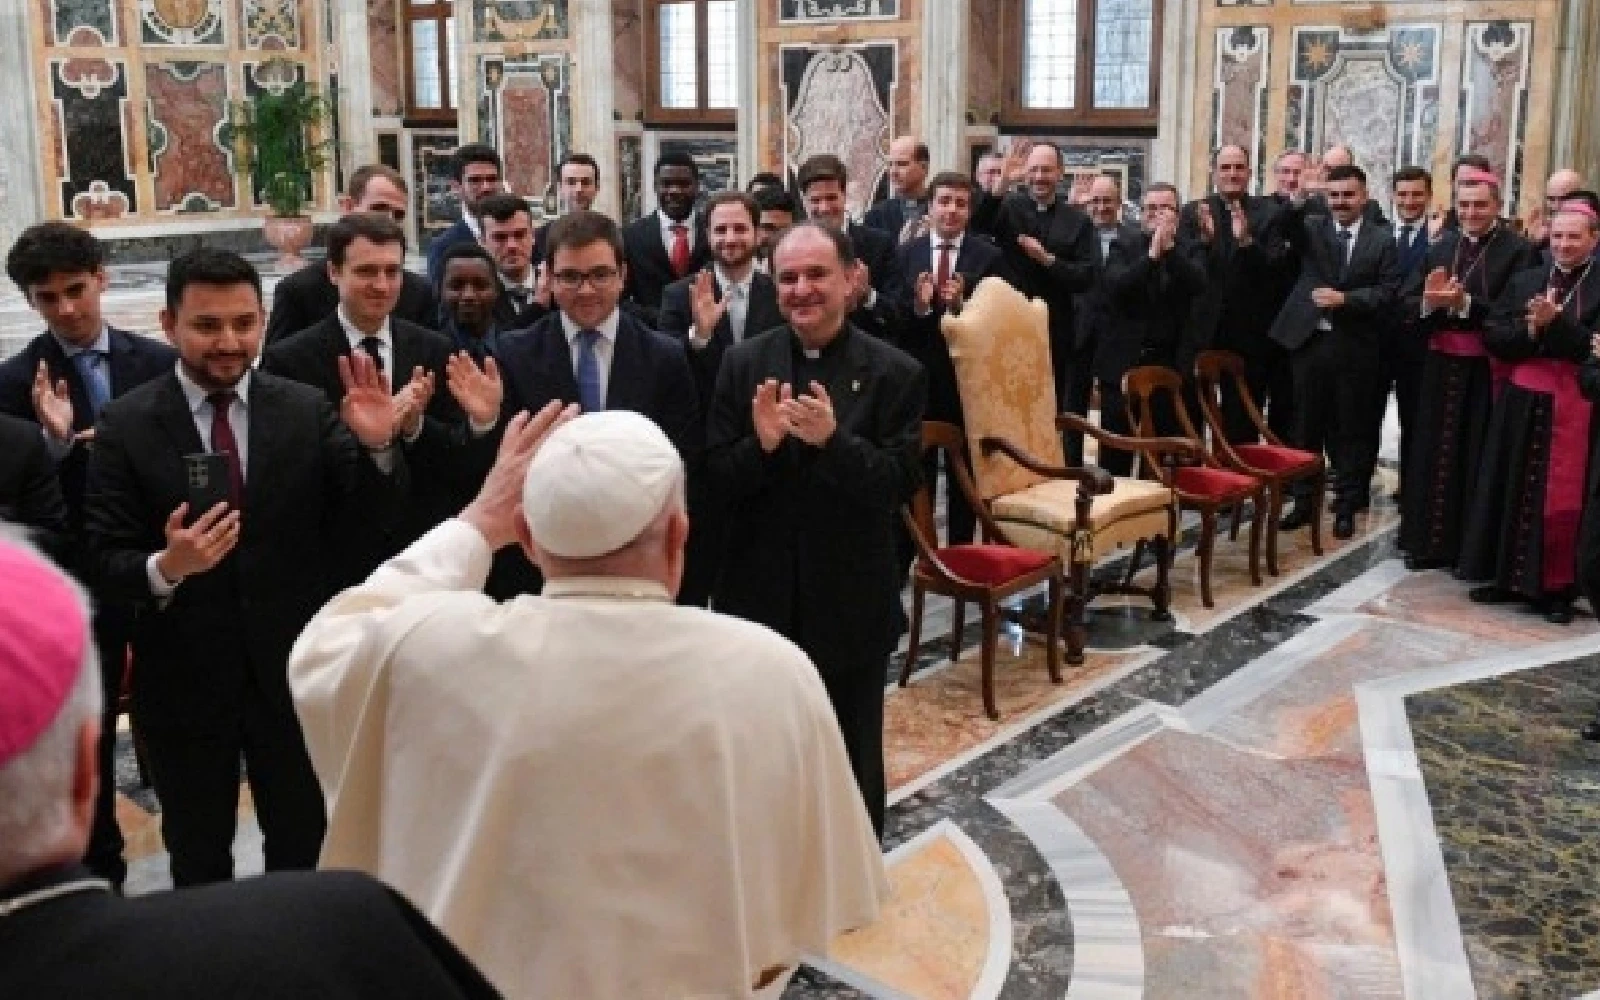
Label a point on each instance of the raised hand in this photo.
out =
(199, 547)
(1542, 311)
(1208, 222)
(412, 401)
(1435, 225)
(52, 404)
(1241, 223)
(811, 417)
(1016, 164)
(498, 505)
(1314, 178)
(1538, 227)
(367, 408)
(478, 391)
(860, 284)
(1034, 249)
(924, 293)
(708, 312)
(1436, 290)
(766, 411)
(954, 292)
(541, 284)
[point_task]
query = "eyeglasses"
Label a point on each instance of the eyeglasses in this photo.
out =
(573, 280)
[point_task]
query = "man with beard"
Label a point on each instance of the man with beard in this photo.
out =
(1523, 512)
(507, 225)
(902, 214)
(1247, 278)
(477, 176)
(815, 439)
(1453, 292)
(667, 244)
(778, 212)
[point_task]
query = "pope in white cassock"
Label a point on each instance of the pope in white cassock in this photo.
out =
(595, 793)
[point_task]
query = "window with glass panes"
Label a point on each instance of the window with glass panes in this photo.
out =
(1082, 62)
(430, 28)
(693, 60)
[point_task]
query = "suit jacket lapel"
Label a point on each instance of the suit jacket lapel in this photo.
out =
(556, 362)
(117, 363)
(176, 418)
(623, 387)
(262, 443)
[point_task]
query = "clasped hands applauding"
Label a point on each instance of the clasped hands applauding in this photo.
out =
(778, 413)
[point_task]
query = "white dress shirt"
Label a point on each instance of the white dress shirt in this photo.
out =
(604, 348)
(1348, 248)
(385, 343)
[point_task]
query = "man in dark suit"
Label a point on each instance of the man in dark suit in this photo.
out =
(589, 351)
(1092, 309)
(469, 290)
(948, 262)
(365, 258)
(308, 296)
(30, 493)
(577, 187)
(1248, 276)
(225, 591)
(1151, 277)
(507, 225)
(778, 212)
(879, 286)
(667, 244)
(1332, 325)
(1049, 249)
(477, 175)
(64, 935)
(60, 381)
(815, 439)
(901, 215)
(1403, 348)
(710, 312)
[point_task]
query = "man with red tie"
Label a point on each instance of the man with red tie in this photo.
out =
(667, 244)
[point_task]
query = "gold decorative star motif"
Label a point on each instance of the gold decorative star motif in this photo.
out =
(1319, 55)
(1410, 55)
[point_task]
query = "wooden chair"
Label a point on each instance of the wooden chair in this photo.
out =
(1271, 461)
(985, 574)
(1207, 488)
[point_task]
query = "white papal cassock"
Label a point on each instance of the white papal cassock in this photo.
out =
(594, 793)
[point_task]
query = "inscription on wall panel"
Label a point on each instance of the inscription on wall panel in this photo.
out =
(837, 10)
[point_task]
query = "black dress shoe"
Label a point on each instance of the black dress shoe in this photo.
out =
(1556, 610)
(1417, 564)
(1344, 525)
(1490, 594)
(1591, 731)
(1297, 518)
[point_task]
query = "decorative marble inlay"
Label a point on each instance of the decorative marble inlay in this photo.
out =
(181, 22)
(383, 47)
(91, 97)
(630, 165)
(529, 115)
(83, 23)
(519, 20)
(837, 100)
(187, 114)
(983, 63)
(1494, 96)
(837, 10)
(1239, 90)
(432, 162)
(627, 48)
(271, 24)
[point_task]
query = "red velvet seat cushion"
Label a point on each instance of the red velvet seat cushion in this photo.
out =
(991, 565)
(1200, 480)
(1274, 458)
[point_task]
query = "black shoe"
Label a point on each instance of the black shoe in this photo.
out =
(1591, 731)
(1490, 594)
(1297, 518)
(1344, 525)
(1417, 564)
(1556, 610)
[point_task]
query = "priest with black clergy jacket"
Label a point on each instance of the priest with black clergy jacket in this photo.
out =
(1523, 513)
(1453, 292)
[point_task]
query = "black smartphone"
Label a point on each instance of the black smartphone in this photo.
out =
(207, 482)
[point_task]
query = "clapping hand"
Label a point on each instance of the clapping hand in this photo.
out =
(52, 405)
(772, 425)
(810, 417)
(954, 292)
(1542, 311)
(860, 284)
(1327, 298)
(1241, 223)
(1081, 190)
(478, 391)
(924, 293)
(1034, 249)
(1435, 225)
(1162, 238)
(703, 304)
(367, 408)
(541, 284)
(1538, 227)
(497, 508)
(1208, 223)
(199, 547)
(1441, 291)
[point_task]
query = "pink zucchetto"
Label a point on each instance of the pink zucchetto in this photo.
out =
(1576, 207)
(1477, 175)
(43, 631)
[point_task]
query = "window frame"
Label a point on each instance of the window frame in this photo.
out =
(412, 11)
(700, 115)
(1013, 112)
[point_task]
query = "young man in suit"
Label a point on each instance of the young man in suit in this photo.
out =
(1049, 249)
(60, 381)
(477, 175)
(1332, 325)
(1092, 309)
(507, 225)
(1403, 348)
(577, 187)
(667, 244)
(948, 261)
(901, 215)
(1151, 277)
(778, 212)
(878, 285)
(330, 935)
(469, 289)
(815, 438)
(366, 262)
(225, 591)
(710, 312)
(308, 296)
(587, 350)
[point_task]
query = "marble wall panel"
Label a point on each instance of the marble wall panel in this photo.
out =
(804, 11)
(838, 99)
(90, 98)
(630, 169)
(181, 22)
(628, 53)
(383, 46)
(1494, 96)
(438, 204)
(519, 20)
(983, 63)
(528, 117)
(187, 113)
(1239, 90)
(80, 22)
(273, 25)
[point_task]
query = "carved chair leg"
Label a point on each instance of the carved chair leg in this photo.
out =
(1052, 658)
(1236, 514)
(914, 636)
(1274, 511)
(1259, 504)
(1208, 533)
(1161, 597)
(958, 624)
(1077, 610)
(1133, 563)
(991, 639)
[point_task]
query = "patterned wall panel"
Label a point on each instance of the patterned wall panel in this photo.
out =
(437, 203)
(80, 22)
(717, 156)
(627, 51)
(838, 99)
(186, 118)
(519, 20)
(181, 22)
(91, 98)
(383, 44)
(273, 25)
(527, 115)
(1494, 95)
(983, 63)
(1375, 92)
(836, 10)
(630, 168)
(1239, 90)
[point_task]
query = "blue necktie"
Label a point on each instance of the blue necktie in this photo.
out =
(96, 384)
(589, 394)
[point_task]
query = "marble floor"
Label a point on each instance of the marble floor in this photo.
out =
(1347, 782)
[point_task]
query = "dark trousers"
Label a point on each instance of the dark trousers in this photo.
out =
(1337, 384)
(196, 777)
(961, 523)
(1402, 354)
(857, 697)
(1270, 377)
(104, 854)
(1074, 378)
(702, 557)
(1114, 418)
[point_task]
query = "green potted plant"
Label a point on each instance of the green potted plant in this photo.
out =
(279, 145)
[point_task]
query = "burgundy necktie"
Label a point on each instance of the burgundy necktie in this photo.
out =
(222, 441)
(680, 251)
(942, 277)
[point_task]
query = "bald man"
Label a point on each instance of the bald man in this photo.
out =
(902, 215)
(1561, 186)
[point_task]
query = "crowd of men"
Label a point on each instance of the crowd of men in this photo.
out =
(717, 406)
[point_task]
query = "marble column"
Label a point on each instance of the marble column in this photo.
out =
(357, 139)
(594, 95)
(944, 82)
(21, 186)
(1174, 124)
(747, 69)
(1575, 142)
